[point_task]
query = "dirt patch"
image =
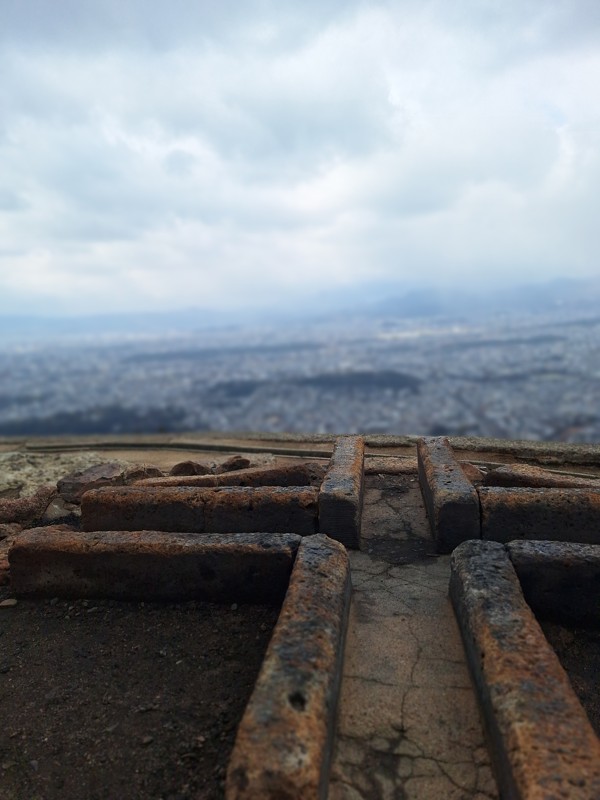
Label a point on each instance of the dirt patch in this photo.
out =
(103, 699)
(578, 650)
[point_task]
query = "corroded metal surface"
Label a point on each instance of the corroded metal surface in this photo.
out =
(390, 465)
(542, 742)
(560, 580)
(536, 477)
(305, 473)
(341, 494)
(571, 515)
(450, 499)
(197, 510)
(283, 744)
(151, 565)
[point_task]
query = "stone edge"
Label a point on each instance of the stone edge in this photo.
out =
(285, 740)
(542, 743)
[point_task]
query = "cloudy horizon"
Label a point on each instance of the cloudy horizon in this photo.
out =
(203, 155)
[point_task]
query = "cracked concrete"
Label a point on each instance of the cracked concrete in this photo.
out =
(408, 726)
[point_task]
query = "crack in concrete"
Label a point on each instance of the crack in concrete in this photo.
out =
(409, 726)
(382, 768)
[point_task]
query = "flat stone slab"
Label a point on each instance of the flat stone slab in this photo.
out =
(514, 475)
(560, 580)
(542, 742)
(306, 473)
(195, 510)
(341, 493)
(151, 565)
(284, 742)
(450, 498)
(571, 515)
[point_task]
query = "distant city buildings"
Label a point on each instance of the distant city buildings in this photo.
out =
(530, 377)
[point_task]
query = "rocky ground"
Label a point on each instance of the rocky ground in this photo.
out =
(108, 700)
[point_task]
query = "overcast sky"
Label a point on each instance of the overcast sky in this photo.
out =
(186, 153)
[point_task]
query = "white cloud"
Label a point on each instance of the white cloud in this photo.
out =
(205, 155)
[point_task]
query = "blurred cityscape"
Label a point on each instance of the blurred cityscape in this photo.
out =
(521, 376)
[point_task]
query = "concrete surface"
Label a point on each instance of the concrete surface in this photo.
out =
(408, 727)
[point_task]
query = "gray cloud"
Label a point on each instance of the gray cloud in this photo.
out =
(196, 153)
(81, 25)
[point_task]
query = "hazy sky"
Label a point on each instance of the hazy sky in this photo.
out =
(162, 154)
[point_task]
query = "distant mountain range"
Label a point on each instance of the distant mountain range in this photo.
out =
(564, 294)
(186, 320)
(372, 300)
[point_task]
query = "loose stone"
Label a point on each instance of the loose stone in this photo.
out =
(189, 468)
(233, 463)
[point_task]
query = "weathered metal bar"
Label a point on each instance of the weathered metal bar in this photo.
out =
(284, 742)
(152, 565)
(542, 743)
(195, 510)
(450, 498)
(514, 475)
(306, 473)
(570, 515)
(341, 494)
